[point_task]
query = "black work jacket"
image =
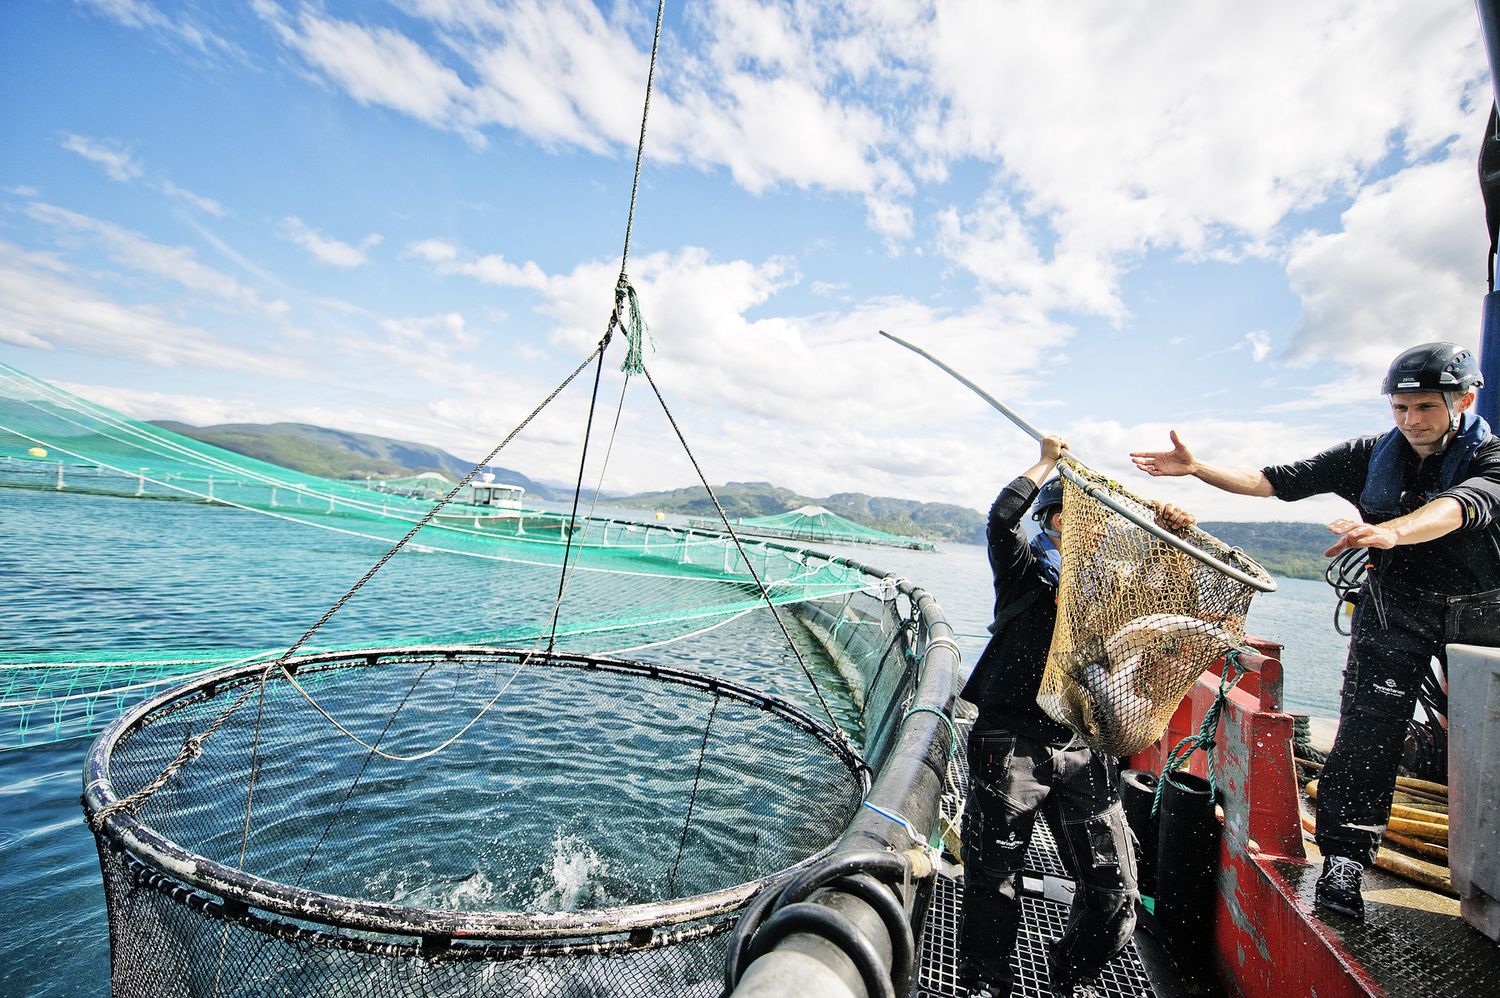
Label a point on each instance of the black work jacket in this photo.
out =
(1461, 563)
(1006, 679)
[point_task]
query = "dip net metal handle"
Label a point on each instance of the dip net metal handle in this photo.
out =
(1261, 583)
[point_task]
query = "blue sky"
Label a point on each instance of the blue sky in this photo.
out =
(406, 218)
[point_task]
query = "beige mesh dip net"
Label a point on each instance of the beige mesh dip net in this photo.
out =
(1138, 620)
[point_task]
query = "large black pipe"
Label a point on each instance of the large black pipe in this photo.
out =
(1187, 862)
(910, 783)
(1138, 795)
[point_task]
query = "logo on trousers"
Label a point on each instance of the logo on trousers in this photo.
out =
(1389, 689)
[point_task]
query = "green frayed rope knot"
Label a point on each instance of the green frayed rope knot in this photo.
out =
(1204, 738)
(636, 331)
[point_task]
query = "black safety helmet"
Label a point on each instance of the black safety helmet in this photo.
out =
(1048, 497)
(1433, 367)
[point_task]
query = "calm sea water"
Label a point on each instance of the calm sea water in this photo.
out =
(79, 573)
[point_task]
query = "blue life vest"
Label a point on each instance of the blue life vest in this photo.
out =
(1048, 557)
(1381, 498)
(1049, 563)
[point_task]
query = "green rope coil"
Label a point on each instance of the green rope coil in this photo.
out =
(1204, 738)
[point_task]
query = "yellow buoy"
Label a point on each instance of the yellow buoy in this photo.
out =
(38, 452)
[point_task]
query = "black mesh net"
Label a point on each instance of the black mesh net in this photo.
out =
(591, 831)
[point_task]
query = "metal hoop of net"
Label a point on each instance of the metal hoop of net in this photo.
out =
(479, 870)
(1138, 621)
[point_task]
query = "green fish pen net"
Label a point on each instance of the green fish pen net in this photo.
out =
(1138, 620)
(814, 523)
(631, 585)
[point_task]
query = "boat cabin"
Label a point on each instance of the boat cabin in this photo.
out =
(497, 495)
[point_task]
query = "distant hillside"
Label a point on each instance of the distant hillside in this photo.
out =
(932, 521)
(316, 450)
(1293, 550)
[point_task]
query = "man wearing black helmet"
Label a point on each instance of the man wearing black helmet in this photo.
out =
(1021, 761)
(1428, 493)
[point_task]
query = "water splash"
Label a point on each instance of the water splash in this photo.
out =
(572, 877)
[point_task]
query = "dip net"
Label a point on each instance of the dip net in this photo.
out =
(1138, 620)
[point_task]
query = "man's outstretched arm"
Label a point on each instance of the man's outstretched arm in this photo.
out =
(1438, 518)
(1179, 461)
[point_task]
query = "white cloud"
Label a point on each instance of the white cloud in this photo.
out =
(1096, 155)
(1162, 157)
(432, 250)
(116, 160)
(495, 269)
(175, 263)
(206, 205)
(44, 305)
(374, 65)
(1402, 270)
(327, 249)
(144, 16)
(775, 397)
(1260, 344)
(1043, 149)
(435, 333)
(120, 164)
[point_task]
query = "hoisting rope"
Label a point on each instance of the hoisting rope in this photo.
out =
(759, 585)
(192, 745)
(687, 820)
(635, 332)
(583, 457)
(1204, 738)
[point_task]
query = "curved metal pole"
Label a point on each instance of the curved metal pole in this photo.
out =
(1266, 585)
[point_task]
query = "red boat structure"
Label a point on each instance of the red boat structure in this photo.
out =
(1267, 937)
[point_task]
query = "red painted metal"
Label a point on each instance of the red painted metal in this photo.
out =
(1268, 941)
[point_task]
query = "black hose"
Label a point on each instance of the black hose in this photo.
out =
(824, 922)
(888, 906)
(865, 875)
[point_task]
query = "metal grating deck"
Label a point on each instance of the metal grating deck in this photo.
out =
(1047, 889)
(1042, 921)
(1412, 943)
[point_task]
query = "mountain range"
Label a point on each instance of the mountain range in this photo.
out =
(1287, 549)
(317, 450)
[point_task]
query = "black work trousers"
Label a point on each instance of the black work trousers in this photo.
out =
(1014, 772)
(1387, 660)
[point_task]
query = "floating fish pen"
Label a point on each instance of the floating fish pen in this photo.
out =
(251, 847)
(582, 796)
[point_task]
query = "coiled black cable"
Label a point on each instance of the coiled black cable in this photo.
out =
(782, 909)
